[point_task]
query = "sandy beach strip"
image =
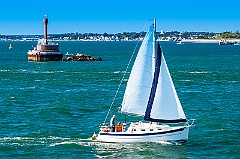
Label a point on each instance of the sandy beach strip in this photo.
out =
(208, 40)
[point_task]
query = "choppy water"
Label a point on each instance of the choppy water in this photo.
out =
(51, 109)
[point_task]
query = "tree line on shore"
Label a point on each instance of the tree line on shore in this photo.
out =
(227, 35)
(132, 35)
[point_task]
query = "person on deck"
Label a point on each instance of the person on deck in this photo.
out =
(124, 129)
(119, 127)
(112, 123)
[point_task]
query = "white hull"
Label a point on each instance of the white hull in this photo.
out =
(158, 134)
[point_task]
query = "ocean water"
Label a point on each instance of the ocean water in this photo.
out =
(51, 109)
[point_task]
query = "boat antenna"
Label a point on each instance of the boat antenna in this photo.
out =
(125, 72)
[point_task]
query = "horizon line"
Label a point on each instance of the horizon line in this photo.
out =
(119, 32)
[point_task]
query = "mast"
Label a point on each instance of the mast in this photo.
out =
(156, 63)
(154, 37)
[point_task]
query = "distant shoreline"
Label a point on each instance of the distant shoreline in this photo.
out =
(183, 40)
(209, 40)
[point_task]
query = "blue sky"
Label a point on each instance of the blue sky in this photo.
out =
(114, 16)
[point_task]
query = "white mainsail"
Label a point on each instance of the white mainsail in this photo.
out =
(166, 105)
(140, 80)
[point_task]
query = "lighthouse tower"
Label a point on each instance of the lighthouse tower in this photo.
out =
(45, 51)
(45, 21)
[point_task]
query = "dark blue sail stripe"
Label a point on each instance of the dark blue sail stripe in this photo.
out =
(154, 84)
(147, 116)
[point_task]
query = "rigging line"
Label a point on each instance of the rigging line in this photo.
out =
(124, 75)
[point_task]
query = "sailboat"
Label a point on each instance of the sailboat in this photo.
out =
(150, 93)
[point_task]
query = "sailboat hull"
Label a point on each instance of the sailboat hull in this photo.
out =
(172, 134)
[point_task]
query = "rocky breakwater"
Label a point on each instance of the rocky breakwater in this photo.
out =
(82, 57)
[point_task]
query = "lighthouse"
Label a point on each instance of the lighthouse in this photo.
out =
(45, 51)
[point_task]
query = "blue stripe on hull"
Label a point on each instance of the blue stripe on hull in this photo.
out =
(145, 134)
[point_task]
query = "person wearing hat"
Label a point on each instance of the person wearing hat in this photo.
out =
(112, 123)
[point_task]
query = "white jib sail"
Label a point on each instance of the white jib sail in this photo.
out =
(140, 80)
(166, 103)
